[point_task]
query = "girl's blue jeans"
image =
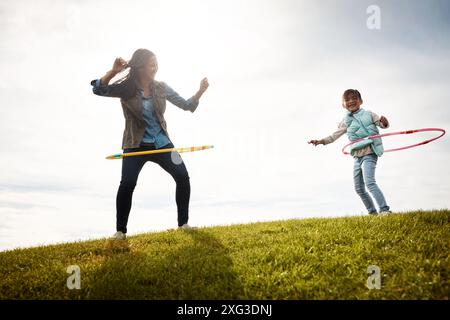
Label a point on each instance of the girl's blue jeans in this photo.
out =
(364, 177)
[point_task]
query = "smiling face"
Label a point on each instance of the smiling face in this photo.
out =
(352, 100)
(150, 67)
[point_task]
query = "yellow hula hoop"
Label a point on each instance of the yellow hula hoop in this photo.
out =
(139, 153)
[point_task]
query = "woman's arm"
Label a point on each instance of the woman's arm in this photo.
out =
(101, 86)
(192, 103)
(104, 81)
(118, 65)
(203, 86)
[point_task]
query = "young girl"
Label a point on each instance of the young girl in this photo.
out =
(143, 102)
(359, 123)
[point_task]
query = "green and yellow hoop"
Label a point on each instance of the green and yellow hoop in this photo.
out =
(140, 153)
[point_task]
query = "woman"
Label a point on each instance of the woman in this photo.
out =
(143, 101)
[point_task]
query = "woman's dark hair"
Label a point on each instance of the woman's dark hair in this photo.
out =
(127, 84)
(351, 91)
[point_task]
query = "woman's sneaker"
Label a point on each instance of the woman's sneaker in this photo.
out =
(385, 213)
(186, 227)
(119, 235)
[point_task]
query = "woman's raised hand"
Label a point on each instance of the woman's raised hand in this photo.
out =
(119, 65)
(204, 85)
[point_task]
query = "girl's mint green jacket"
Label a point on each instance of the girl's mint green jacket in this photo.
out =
(360, 124)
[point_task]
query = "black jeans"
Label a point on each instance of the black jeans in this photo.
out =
(131, 166)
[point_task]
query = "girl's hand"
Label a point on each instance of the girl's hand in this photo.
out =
(384, 121)
(119, 65)
(315, 142)
(204, 85)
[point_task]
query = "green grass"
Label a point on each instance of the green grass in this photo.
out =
(321, 258)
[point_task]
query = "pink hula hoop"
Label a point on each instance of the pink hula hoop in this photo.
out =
(397, 133)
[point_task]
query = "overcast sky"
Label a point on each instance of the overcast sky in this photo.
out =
(277, 70)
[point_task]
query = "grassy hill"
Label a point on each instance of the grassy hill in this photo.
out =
(321, 258)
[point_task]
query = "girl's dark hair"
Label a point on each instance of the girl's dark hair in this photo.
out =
(351, 91)
(127, 84)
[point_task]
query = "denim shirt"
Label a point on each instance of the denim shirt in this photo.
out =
(153, 131)
(144, 120)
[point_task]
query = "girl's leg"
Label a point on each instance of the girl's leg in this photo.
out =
(368, 165)
(131, 166)
(360, 189)
(175, 166)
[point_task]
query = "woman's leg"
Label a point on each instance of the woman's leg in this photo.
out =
(360, 189)
(174, 165)
(368, 165)
(131, 166)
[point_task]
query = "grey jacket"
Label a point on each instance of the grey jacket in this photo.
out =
(133, 110)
